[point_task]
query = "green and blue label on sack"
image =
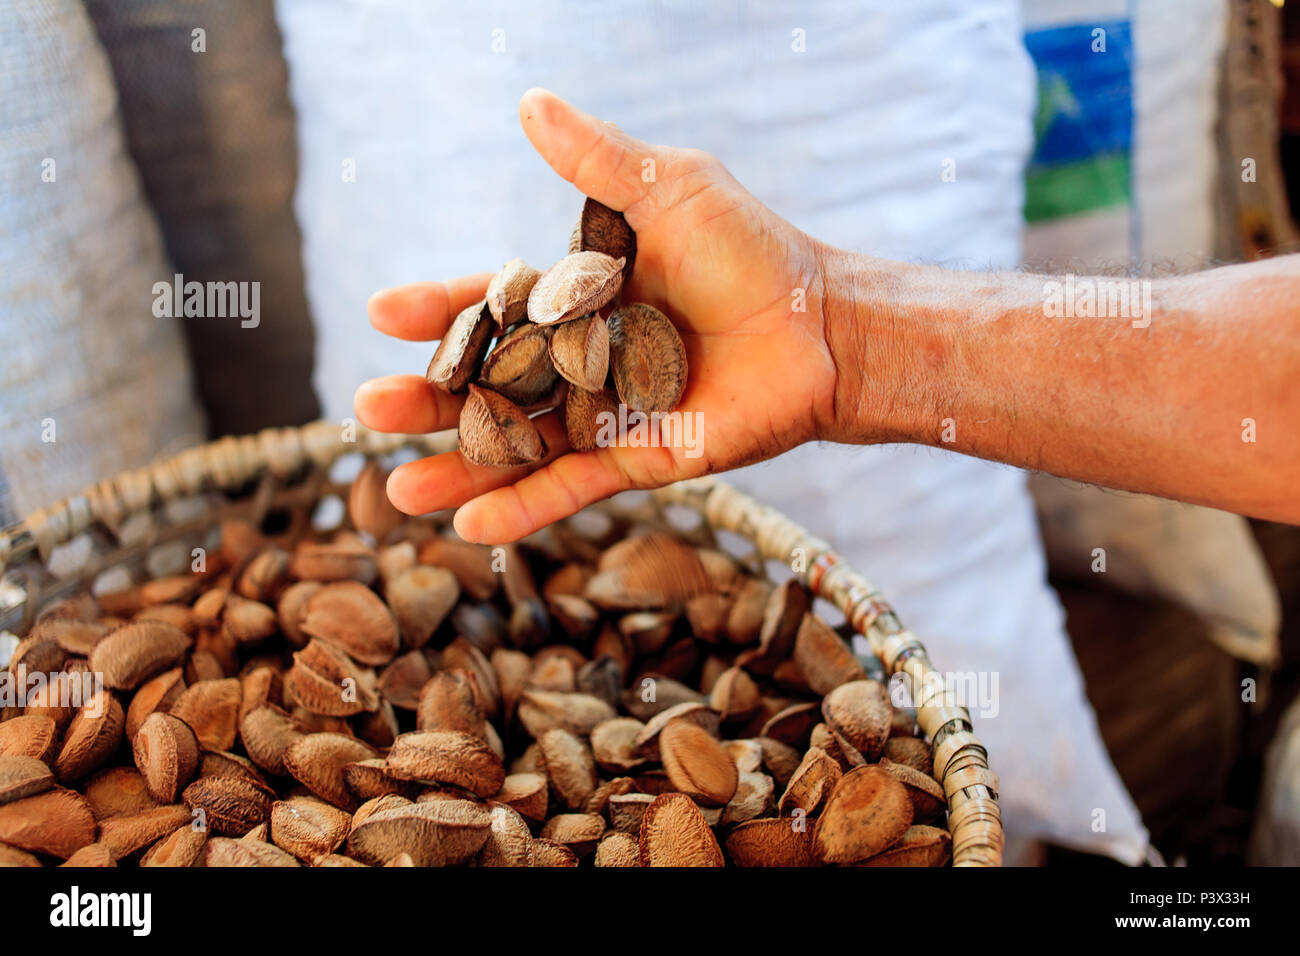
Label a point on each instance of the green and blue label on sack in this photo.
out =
(1083, 127)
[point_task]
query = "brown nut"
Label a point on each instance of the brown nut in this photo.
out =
(495, 432)
(507, 293)
(447, 756)
(438, 833)
(675, 833)
(167, 754)
(648, 358)
(868, 812)
(696, 763)
(133, 653)
(579, 283)
(459, 354)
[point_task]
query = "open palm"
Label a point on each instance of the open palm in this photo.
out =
(743, 286)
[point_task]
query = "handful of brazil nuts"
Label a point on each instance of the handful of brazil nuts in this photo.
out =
(561, 337)
(389, 695)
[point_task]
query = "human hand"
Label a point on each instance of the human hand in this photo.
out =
(730, 273)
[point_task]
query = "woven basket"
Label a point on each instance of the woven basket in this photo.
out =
(123, 524)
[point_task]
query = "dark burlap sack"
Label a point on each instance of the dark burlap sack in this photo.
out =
(91, 382)
(1200, 558)
(1276, 837)
(210, 126)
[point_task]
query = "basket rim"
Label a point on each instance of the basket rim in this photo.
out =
(960, 759)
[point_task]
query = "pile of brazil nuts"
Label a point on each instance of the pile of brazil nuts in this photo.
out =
(389, 695)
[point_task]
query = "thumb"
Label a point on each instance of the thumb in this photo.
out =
(598, 158)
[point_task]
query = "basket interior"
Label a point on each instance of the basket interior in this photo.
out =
(84, 545)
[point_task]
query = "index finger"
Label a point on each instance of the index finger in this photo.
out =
(421, 311)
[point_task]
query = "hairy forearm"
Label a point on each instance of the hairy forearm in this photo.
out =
(1189, 394)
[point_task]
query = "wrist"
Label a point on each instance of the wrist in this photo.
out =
(885, 340)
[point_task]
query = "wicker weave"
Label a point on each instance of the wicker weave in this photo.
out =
(290, 465)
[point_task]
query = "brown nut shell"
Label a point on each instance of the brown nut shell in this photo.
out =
(437, 833)
(569, 765)
(868, 812)
(526, 793)
(458, 356)
(54, 823)
(590, 418)
(133, 653)
(648, 358)
(447, 756)
(675, 833)
(496, 433)
(351, 617)
(579, 351)
(601, 229)
(182, 847)
(117, 791)
(211, 708)
(549, 853)
(318, 762)
(30, 735)
(324, 681)
(509, 842)
(772, 842)
(811, 783)
(368, 504)
(230, 805)
(919, 846)
(519, 367)
(167, 755)
(911, 752)
(91, 738)
(618, 849)
(697, 764)
(579, 283)
(823, 658)
(224, 852)
(267, 732)
(127, 835)
(23, 776)
(860, 712)
(507, 293)
(421, 597)
(308, 828)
